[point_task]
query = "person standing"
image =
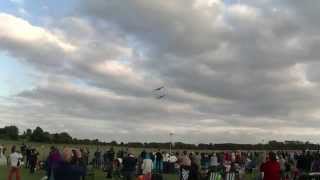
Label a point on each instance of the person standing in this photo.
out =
(197, 159)
(316, 164)
(14, 160)
(159, 159)
(33, 160)
(23, 149)
(97, 156)
(194, 169)
(28, 156)
(53, 160)
(271, 168)
(105, 160)
(110, 158)
(129, 167)
(214, 162)
(72, 167)
(185, 164)
(147, 167)
(3, 158)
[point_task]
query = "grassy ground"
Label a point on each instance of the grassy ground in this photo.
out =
(25, 175)
(44, 150)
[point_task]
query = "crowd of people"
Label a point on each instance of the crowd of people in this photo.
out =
(79, 164)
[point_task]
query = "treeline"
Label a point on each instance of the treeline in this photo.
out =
(271, 145)
(41, 136)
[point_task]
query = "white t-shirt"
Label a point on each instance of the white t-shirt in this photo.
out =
(14, 159)
(147, 166)
(173, 159)
(214, 161)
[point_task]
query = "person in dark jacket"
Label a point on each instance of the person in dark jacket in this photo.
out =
(159, 159)
(71, 168)
(33, 160)
(194, 169)
(129, 167)
(28, 156)
(110, 158)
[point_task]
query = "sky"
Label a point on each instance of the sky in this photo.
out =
(241, 71)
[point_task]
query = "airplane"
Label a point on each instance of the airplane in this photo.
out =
(158, 89)
(160, 97)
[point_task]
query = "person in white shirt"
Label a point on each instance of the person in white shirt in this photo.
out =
(14, 161)
(3, 158)
(173, 159)
(147, 166)
(214, 161)
(166, 157)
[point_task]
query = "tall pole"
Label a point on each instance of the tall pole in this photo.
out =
(170, 134)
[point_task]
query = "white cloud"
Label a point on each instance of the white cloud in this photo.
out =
(16, 29)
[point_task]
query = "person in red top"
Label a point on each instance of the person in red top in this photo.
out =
(271, 168)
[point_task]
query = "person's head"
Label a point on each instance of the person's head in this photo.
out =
(13, 149)
(52, 148)
(147, 156)
(130, 155)
(67, 155)
(192, 159)
(272, 156)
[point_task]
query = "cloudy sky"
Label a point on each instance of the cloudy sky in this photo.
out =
(235, 70)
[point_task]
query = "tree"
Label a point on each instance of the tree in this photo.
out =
(62, 138)
(12, 132)
(29, 133)
(113, 143)
(38, 135)
(26, 134)
(9, 132)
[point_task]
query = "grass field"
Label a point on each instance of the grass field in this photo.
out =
(25, 175)
(44, 150)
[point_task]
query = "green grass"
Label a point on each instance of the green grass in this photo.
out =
(25, 175)
(44, 151)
